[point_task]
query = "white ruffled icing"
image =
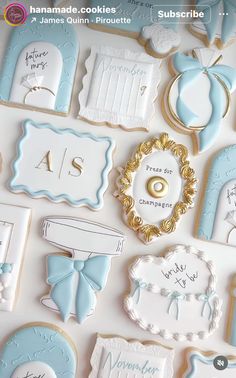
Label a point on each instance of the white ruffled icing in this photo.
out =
(161, 39)
(186, 269)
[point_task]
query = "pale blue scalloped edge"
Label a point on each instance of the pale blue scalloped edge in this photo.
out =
(63, 197)
(62, 36)
(222, 170)
(206, 360)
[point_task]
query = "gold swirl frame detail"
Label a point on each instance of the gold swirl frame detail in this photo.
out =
(125, 180)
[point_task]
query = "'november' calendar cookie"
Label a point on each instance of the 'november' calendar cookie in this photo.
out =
(218, 215)
(39, 350)
(81, 270)
(39, 65)
(62, 165)
(199, 96)
(156, 187)
(174, 296)
(119, 88)
(118, 357)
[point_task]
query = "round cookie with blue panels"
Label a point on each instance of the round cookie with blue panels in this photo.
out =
(38, 350)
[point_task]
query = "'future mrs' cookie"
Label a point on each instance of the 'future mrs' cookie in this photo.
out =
(39, 65)
(156, 187)
(218, 215)
(119, 88)
(174, 296)
(199, 96)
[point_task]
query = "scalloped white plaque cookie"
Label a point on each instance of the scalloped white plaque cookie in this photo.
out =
(174, 296)
(115, 357)
(62, 165)
(119, 88)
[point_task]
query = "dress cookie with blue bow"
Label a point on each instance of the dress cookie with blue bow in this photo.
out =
(199, 96)
(77, 275)
(39, 350)
(218, 215)
(218, 24)
(39, 65)
(174, 296)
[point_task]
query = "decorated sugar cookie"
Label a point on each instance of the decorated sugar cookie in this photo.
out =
(218, 216)
(219, 23)
(231, 323)
(38, 350)
(39, 65)
(117, 357)
(155, 187)
(140, 20)
(199, 96)
(14, 227)
(77, 275)
(207, 364)
(174, 296)
(62, 165)
(119, 88)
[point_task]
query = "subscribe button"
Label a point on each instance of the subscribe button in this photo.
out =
(181, 14)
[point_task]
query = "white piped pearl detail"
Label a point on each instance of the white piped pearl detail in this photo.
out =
(5, 289)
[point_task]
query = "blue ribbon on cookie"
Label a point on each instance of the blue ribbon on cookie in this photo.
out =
(211, 10)
(220, 76)
(93, 274)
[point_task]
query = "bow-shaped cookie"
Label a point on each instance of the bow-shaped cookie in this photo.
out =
(93, 274)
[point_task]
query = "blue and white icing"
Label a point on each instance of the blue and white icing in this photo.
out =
(39, 343)
(92, 273)
(219, 75)
(222, 171)
(219, 19)
(76, 280)
(63, 39)
(54, 184)
(199, 363)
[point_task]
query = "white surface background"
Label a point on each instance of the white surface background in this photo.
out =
(109, 317)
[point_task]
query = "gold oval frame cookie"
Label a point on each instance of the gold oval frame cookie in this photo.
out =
(149, 232)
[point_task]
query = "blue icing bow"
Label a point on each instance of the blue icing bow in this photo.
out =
(211, 9)
(190, 69)
(92, 277)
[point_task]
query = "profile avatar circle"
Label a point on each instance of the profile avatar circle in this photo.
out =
(15, 14)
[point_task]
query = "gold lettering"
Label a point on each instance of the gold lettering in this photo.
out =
(77, 166)
(46, 162)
